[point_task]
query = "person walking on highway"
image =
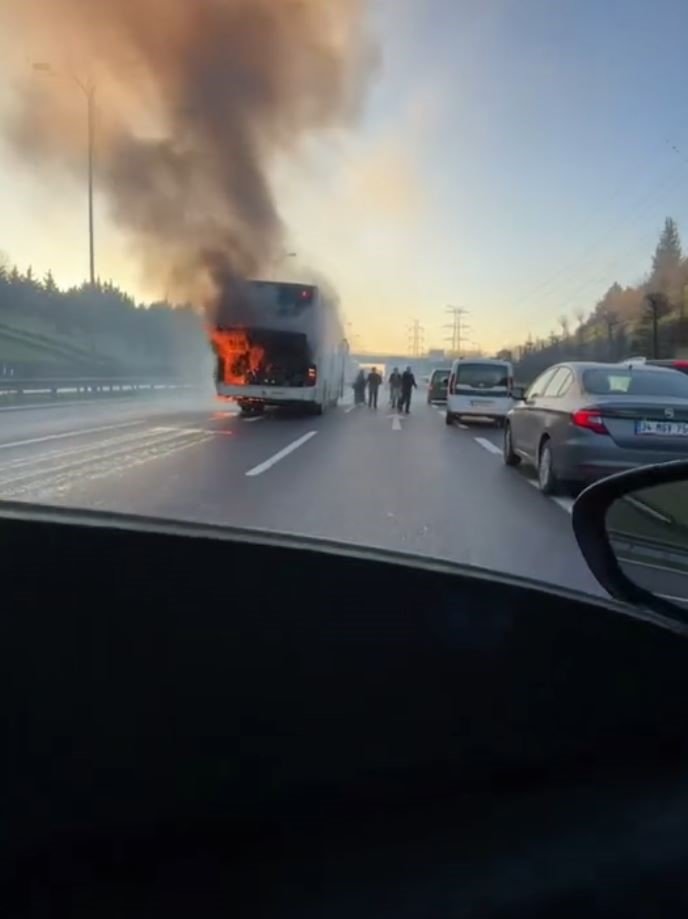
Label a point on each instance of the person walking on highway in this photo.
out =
(374, 381)
(394, 388)
(359, 388)
(408, 384)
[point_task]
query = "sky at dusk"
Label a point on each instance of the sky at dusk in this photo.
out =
(514, 157)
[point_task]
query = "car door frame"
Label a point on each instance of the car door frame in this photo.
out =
(552, 405)
(523, 417)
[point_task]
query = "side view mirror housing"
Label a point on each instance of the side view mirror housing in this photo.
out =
(632, 529)
(518, 393)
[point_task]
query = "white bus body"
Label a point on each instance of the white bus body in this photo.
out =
(292, 352)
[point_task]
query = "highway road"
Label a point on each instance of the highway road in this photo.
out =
(410, 484)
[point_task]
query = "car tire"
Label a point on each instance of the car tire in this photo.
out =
(511, 458)
(547, 480)
(449, 419)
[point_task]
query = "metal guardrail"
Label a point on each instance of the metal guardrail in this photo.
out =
(17, 388)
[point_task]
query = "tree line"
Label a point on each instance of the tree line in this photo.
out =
(649, 319)
(99, 320)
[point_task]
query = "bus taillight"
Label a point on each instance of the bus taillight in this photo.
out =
(312, 376)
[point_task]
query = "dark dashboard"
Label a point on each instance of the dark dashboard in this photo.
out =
(197, 720)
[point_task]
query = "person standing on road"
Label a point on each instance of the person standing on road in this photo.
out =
(374, 381)
(408, 384)
(359, 388)
(394, 388)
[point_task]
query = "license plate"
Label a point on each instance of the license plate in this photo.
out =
(480, 402)
(662, 428)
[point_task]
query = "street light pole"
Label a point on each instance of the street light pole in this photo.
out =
(90, 104)
(89, 91)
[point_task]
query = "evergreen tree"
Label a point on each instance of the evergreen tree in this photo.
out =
(666, 262)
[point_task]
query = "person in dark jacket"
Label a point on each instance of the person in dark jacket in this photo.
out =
(359, 388)
(408, 384)
(394, 389)
(374, 382)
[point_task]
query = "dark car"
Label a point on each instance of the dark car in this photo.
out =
(437, 388)
(582, 421)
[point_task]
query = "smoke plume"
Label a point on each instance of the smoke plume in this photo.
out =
(195, 101)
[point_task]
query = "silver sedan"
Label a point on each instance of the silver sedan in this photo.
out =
(579, 422)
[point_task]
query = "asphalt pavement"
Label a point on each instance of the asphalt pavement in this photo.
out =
(406, 483)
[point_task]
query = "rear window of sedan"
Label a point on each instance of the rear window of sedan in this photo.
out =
(439, 376)
(615, 382)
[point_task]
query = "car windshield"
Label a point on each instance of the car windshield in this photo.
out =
(635, 383)
(244, 242)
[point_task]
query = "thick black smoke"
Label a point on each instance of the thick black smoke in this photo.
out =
(195, 101)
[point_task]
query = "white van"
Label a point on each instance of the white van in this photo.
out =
(479, 388)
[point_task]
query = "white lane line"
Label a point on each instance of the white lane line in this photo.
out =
(257, 418)
(565, 504)
(269, 463)
(464, 427)
(349, 409)
(79, 433)
(396, 423)
(487, 444)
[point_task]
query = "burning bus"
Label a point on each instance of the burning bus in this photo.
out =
(279, 343)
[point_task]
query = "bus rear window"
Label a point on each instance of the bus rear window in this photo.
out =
(483, 376)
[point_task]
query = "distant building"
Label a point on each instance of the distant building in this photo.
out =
(435, 354)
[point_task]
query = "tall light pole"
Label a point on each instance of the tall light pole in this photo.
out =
(89, 91)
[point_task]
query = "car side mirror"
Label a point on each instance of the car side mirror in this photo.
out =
(518, 393)
(632, 529)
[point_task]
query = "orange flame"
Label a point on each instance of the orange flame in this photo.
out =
(239, 357)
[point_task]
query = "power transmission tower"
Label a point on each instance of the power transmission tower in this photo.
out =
(458, 328)
(416, 337)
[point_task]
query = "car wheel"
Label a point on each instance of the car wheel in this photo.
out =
(511, 458)
(449, 418)
(549, 484)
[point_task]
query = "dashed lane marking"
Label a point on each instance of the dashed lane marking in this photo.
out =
(269, 463)
(252, 420)
(396, 423)
(349, 409)
(488, 445)
(565, 504)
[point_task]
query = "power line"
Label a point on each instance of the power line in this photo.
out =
(458, 327)
(416, 338)
(640, 206)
